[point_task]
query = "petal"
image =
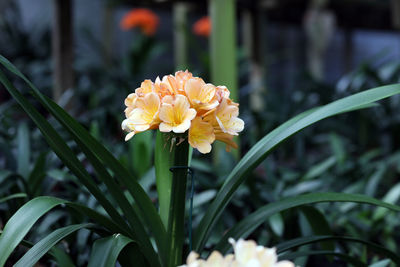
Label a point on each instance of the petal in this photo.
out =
(284, 264)
(142, 127)
(138, 116)
(167, 113)
(181, 105)
(201, 135)
(193, 256)
(129, 136)
(207, 93)
(181, 128)
(147, 86)
(190, 114)
(193, 88)
(164, 127)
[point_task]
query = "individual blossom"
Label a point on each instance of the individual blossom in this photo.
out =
(200, 94)
(176, 114)
(202, 27)
(144, 19)
(144, 116)
(201, 135)
(225, 122)
(227, 117)
(246, 254)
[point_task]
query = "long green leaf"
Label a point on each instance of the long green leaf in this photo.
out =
(97, 217)
(62, 259)
(298, 242)
(63, 151)
(352, 260)
(24, 150)
(22, 221)
(105, 251)
(252, 221)
(137, 227)
(37, 175)
(88, 143)
(13, 196)
(43, 246)
(263, 147)
(319, 224)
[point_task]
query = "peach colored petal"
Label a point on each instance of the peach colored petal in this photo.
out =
(144, 116)
(200, 94)
(201, 135)
(176, 112)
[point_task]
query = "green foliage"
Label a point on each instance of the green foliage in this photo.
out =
(129, 225)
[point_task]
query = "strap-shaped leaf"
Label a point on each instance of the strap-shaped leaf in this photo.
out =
(252, 221)
(318, 224)
(22, 221)
(62, 259)
(263, 147)
(24, 150)
(89, 144)
(70, 160)
(105, 251)
(13, 196)
(43, 246)
(352, 260)
(298, 242)
(63, 151)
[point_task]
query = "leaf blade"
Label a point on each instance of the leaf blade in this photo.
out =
(22, 221)
(261, 150)
(252, 221)
(106, 250)
(43, 246)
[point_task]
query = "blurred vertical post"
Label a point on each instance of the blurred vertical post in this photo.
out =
(319, 24)
(62, 45)
(223, 52)
(180, 11)
(108, 33)
(252, 43)
(395, 9)
(223, 45)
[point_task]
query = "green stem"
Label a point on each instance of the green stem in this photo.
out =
(163, 160)
(171, 187)
(176, 222)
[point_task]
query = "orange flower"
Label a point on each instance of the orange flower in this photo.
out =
(202, 27)
(143, 18)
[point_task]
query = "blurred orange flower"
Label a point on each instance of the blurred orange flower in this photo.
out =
(202, 27)
(143, 18)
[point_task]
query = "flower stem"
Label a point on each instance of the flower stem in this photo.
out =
(176, 222)
(164, 159)
(171, 188)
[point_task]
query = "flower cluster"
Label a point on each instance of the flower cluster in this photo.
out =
(246, 253)
(183, 103)
(141, 18)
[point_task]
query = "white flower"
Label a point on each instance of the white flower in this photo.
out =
(246, 254)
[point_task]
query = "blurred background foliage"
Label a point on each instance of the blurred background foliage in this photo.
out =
(285, 66)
